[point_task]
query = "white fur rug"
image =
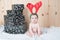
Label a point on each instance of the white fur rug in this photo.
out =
(53, 33)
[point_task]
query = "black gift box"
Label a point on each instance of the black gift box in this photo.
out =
(14, 21)
(18, 7)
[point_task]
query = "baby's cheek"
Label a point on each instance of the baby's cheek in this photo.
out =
(35, 21)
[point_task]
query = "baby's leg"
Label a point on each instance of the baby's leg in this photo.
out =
(39, 32)
(30, 33)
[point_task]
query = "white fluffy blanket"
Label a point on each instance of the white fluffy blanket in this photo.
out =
(52, 33)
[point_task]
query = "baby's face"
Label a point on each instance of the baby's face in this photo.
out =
(34, 19)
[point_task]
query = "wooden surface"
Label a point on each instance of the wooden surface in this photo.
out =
(49, 13)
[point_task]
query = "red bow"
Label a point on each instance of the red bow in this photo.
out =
(37, 6)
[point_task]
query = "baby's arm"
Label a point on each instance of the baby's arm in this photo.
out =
(30, 33)
(39, 30)
(30, 29)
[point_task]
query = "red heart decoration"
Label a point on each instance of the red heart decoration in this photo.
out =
(37, 6)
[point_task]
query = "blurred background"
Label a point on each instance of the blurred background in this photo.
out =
(49, 13)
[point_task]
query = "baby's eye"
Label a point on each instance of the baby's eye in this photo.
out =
(32, 18)
(36, 18)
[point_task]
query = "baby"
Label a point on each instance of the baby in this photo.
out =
(34, 25)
